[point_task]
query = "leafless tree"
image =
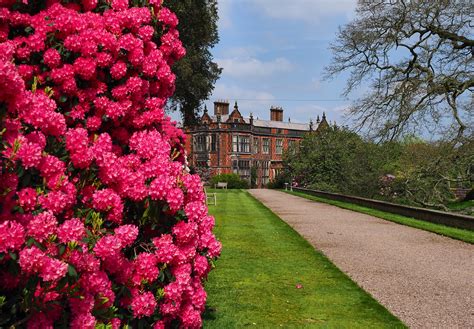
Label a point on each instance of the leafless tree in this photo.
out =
(417, 60)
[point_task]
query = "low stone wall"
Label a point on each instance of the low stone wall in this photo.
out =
(434, 216)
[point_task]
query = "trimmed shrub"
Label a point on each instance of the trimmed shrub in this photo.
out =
(100, 223)
(233, 181)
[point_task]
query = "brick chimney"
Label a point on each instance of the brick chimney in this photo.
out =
(221, 107)
(276, 113)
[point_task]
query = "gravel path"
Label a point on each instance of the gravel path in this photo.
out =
(425, 279)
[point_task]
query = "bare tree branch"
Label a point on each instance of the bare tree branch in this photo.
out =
(417, 57)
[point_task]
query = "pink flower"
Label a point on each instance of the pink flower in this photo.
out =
(184, 232)
(52, 269)
(143, 304)
(83, 321)
(108, 200)
(12, 236)
(165, 249)
(52, 58)
(107, 246)
(118, 70)
(175, 199)
(201, 265)
(29, 154)
(31, 259)
(190, 317)
(126, 234)
(42, 226)
(27, 198)
(71, 230)
(145, 269)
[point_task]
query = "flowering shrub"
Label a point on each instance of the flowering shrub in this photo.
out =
(100, 223)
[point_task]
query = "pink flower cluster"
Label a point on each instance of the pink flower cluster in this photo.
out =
(98, 215)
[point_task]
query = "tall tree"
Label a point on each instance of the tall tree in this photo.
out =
(196, 73)
(418, 59)
(337, 160)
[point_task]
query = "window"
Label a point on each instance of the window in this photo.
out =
(291, 144)
(213, 143)
(240, 144)
(235, 143)
(256, 145)
(244, 169)
(279, 146)
(200, 143)
(266, 146)
(265, 172)
(201, 164)
(244, 144)
(241, 168)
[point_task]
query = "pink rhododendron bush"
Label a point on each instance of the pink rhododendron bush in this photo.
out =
(100, 223)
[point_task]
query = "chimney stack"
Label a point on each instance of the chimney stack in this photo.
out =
(276, 113)
(221, 107)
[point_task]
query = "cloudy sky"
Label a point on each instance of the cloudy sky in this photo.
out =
(273, 53)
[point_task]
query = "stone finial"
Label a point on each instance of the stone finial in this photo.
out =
(317, 119)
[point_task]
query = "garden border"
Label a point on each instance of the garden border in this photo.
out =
(433, 216)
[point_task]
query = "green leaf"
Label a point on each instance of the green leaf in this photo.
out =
(62, 249)
(72, 271)
(13, 255)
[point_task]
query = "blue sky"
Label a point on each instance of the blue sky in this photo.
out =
(273, 53)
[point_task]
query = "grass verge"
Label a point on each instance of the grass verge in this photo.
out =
(264, 262)
(451, 232)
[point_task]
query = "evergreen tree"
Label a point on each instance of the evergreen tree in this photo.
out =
(196, 73)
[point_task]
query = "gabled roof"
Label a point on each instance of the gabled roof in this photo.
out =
(270, 124)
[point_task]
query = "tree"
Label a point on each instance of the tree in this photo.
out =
(335, 160)
(418, 58)
(428, 173)
(196, 73)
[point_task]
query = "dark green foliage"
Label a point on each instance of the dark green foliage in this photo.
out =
(411, 171)
(469, 196)
(336, 160)
(196, 73)
(233, 181)
(279, 181)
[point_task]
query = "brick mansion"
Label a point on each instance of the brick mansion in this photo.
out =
(230, 143)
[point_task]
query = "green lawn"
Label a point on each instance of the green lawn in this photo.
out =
(452, 232)
(263, 260)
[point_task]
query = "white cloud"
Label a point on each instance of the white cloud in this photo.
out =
(253, 101)
(333, 113)
(307, 10)
(252, 67)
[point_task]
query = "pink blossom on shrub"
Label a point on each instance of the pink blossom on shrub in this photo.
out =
(27, 198)
(93, 185)
(12, 236)
(143, 304)
(71, 230)
(52, 269)
(42, 226)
